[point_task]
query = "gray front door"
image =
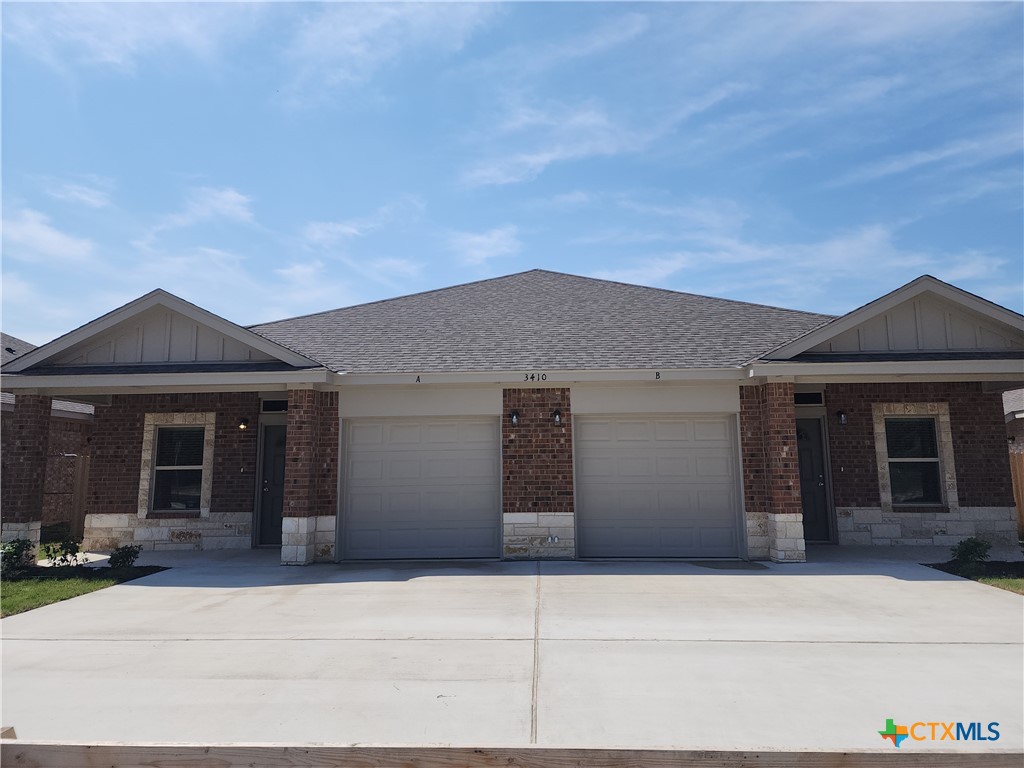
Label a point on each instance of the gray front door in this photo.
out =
(272, 486)
(813, 481)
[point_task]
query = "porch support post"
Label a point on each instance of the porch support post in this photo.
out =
(26, 445)
(782, 480)
(310, 477)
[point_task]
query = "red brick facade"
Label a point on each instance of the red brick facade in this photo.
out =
(23, 462)
(979, 440)
(311, 463)
(536, 454)
(117, 444)
(771, 470)
(66, 464)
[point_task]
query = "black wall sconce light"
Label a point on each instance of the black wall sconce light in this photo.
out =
(841, 417)
(243, 423)
(556, 416)
(514, 418)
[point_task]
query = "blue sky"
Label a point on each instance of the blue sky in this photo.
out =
(277, 159)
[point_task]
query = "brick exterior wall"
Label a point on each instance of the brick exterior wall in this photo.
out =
(117, 440)
(112, 503)
(979, 440)
(311, 477)
(537, 474)
(67, 436)
(23, 461)
(771, 472)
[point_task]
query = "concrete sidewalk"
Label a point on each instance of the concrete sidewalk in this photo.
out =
(231, 647)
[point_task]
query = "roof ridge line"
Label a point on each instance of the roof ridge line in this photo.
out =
(397, 298)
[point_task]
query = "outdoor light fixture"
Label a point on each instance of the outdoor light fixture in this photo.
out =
(243, 423)
(841, 416)
(557, 416)
(514, 416)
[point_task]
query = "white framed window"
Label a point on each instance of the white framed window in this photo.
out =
(177, 465)
(914, 450)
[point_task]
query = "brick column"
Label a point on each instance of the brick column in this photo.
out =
(25, 448)
(772, 473)
(310, 477)
(536, 475)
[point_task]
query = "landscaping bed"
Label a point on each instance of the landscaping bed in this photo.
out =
(34, 586)
(1002, 574)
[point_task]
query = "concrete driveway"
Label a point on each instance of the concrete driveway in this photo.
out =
(232, 647)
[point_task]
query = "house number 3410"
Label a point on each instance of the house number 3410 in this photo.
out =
(535, 377)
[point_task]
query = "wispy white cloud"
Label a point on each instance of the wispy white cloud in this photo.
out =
(206, 203)
(326, 234)
(530, 60)
(559, 133)
(479, 247)
(820, 275)
(92, 193)
(347, 43)
(960, 153)
(68, 35)
(29, 236)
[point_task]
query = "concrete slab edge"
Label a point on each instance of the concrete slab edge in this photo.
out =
(108, 755)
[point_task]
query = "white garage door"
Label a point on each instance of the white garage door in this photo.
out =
(656, 486)
(421, 488)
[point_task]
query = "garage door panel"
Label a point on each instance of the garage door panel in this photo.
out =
(366, 434)
(426, 488)
(714, 467)
(680, 431)
(672, 467)
(657, 486)
(711, 431)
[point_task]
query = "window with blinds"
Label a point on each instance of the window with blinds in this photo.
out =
(914, 468)
(178, 468)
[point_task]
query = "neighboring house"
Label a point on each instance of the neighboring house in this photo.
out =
(67, 465)
(1013, 407)
(539, 415)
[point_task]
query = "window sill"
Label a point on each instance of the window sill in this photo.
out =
(920, 508)
(168, 514)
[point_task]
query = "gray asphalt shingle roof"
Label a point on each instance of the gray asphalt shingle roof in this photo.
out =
(540, 320)
(13, 347)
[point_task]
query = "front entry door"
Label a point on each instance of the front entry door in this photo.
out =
(272, 485)
(813, 489)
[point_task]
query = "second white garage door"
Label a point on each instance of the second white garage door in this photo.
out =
(421, 488)
(656, 486)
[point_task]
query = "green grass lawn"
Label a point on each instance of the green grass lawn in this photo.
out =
(38, 586)
(24, 595)
(1011, 585)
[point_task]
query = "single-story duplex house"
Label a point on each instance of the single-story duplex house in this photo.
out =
(538, 415)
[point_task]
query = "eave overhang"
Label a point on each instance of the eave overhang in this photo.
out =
(142, 383)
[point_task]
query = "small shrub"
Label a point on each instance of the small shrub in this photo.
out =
(125, 556)
(16, 554)
(66, 552)
(971, 551)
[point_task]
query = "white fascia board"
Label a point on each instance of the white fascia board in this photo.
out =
(923, 284)
(544, 378)
(972, 370)
(114, 384)
(152, 299)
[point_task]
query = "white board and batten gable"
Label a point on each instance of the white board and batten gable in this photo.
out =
(157, 328)
(926, 315)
